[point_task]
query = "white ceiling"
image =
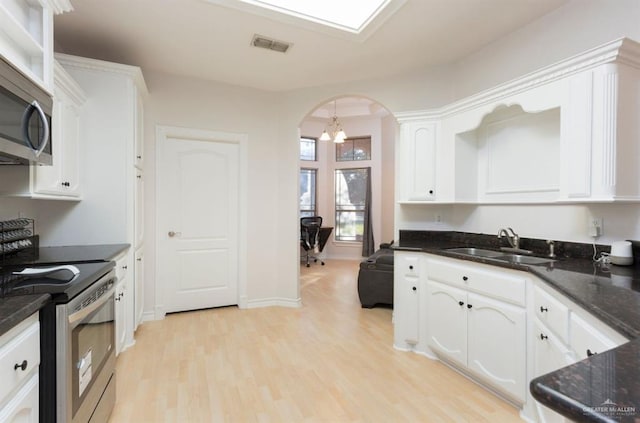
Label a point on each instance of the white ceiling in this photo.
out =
(205, 40)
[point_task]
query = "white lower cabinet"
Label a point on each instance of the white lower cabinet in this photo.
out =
(24, 406)
(447, 321)
(497, 344)
(549, 354)
(502, 327)
(563, 334)
(139, 287)
(19, 364)
(120, 316)
(406, 295)
(485, 336)
(587, 340)
(121, 298)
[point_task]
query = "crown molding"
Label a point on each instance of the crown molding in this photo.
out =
(59, 6)
(62, 78)
(624, 51)
(100, 65)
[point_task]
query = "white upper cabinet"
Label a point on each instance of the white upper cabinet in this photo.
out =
(418, 144)
(27, 36)
(62, 178)
(602, 130)
(139, 138)
(566, 133)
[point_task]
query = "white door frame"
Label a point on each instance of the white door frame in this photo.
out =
(162, 134)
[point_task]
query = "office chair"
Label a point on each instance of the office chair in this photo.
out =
(310, 236)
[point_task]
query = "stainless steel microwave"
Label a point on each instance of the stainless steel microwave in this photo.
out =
(25, 119)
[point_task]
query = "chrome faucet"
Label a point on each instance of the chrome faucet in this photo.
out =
(551, 244)
(513, 238)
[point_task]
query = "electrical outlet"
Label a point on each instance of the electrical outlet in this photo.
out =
(437, 218)
(595, 227)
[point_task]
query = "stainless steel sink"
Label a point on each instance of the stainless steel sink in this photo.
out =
(499, 256)
(517, 258)
(477, 252)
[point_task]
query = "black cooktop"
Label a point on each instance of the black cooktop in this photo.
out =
(67, 254)
(62, 284)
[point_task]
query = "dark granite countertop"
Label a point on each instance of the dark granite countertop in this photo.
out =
(606, 386)
(14, 310)
(73, 253)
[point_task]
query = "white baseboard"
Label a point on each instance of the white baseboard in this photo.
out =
(274, 302)
(148, 316)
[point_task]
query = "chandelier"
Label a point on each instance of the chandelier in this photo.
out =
(333, 130)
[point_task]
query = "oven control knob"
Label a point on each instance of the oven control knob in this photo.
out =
(22, 366)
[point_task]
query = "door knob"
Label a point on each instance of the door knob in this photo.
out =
(172, 234)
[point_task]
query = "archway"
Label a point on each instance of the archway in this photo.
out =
(329, 183)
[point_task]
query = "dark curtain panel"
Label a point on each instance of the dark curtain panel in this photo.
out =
(368, 244)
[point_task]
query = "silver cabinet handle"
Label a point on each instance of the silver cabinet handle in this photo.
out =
(172, 234)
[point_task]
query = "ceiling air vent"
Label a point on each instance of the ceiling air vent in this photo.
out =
(270, 44)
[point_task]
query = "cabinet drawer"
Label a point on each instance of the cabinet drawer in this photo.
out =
(586, 339)
(495, 283)
(552, 313)
(408, 264)
(122, 266)
(22, 348)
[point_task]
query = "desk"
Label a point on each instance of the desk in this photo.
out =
(325, 232)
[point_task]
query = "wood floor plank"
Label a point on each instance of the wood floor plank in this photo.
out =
(328, 361)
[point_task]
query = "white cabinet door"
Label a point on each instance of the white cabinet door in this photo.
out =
(497, 344)
(121, 301)
(139, 209)
(587, 340)
(552, 312)
(447, 321)
(139, 135)
(120, 316)
(24, 406)
(406, 299)
(550, 354)
(418, 140)
(62, 178)
(139, 287)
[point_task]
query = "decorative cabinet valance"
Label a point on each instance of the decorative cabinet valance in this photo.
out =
(567, 133)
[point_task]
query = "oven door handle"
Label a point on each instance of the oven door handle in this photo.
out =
(84, 312)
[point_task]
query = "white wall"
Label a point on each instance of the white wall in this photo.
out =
(555, 222)
(11, 208)
(389, 134)
(176, 101)
(576, 27)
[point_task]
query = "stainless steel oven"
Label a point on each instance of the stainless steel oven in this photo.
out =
(85, 351)
(77, 337)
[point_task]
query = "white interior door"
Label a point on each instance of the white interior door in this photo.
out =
(198, 182)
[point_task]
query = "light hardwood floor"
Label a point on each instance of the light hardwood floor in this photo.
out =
(328, 361)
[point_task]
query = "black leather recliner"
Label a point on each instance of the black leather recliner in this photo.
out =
(375, 278)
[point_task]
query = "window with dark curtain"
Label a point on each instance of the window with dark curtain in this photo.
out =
(351, 199)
